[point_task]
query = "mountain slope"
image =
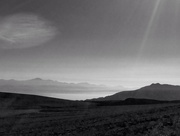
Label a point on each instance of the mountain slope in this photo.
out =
(154, 91)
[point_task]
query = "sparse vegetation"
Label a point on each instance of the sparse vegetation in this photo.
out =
(132, 120)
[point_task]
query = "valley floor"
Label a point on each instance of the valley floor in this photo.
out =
(137, 120)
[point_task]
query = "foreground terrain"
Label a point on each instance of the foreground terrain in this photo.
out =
(86, 119)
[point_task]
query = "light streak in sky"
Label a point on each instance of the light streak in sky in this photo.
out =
(145, 38)
(151, 21)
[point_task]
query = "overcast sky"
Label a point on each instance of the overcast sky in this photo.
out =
(113, 42)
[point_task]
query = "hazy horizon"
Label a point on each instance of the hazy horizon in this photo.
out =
(79, 82)
(56, 89)
(65, 90)
(132, 43)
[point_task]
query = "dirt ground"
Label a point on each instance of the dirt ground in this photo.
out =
(137, 120)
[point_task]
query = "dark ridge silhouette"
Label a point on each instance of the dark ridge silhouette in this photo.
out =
(25, 101)
(163, 92)
(153, 94)
(48, 104)
(130, 101)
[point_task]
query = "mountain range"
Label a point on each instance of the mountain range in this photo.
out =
(38, 86)
(154, 91)
(52, 88)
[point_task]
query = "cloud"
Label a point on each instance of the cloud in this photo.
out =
(24, 31)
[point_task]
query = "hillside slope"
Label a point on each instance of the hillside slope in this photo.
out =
(154, 91)
(25, 101)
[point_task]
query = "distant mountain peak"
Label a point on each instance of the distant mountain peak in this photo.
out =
(37, 79)
(155, 84)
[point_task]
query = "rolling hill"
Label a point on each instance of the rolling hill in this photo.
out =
(26, 101)
(156, 91)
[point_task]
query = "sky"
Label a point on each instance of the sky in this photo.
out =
(113, 42)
